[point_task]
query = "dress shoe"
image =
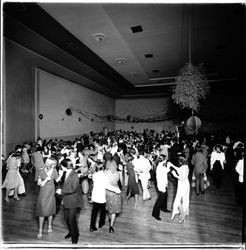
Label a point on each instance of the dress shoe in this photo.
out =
(166, 211)
(75, 241)
(157, 218)
(203, 192)
(111, 229)
(93, 229)
(100, 226)
(68, 236)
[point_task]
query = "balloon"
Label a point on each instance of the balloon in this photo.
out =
(194, 123)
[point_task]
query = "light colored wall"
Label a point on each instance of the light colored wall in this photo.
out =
(143, 106)
(19, 66)
(56, 95)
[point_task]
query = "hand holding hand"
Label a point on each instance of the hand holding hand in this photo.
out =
(61, 172)
(58, 191)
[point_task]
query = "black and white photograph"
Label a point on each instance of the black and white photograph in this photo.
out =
(123, 125)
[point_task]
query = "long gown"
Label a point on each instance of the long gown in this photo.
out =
(46, 202)
(132, 187)
(182, 198)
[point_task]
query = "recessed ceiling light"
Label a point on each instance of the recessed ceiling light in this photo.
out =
(121, 60)
(99, 37)
(136, 29)
(133, 74)
(149, 55)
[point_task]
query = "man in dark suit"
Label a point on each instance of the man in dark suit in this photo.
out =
(71, 199)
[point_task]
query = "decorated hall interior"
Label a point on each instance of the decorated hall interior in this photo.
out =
(123, 125)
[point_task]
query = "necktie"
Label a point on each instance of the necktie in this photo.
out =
(63, 177)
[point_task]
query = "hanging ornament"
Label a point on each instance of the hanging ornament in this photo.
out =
(194, 123)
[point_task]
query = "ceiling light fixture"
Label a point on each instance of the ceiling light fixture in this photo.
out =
(133, 74)
(121, 60)
(99, 37)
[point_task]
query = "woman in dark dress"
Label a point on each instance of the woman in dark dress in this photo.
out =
(46, 203)
(132, 188)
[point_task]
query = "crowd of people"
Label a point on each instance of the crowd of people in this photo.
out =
(105, 165)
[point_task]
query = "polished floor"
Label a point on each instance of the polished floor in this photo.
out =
(214, 218)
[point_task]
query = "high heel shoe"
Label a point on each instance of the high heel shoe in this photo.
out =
(111, 229)
(50, 229)
(7, 199)
(40, 234)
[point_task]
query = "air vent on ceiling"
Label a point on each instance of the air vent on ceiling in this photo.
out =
(99, 37)
(121, 60)
(136, 29)
(148, 55)
(73, 46)
(155, 71)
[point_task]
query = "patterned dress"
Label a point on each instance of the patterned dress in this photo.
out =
(113, 200)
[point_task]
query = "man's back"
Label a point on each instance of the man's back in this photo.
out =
(199, 162)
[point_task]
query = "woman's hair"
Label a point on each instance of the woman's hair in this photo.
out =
(18, 148)
(16, 154)
(129, 157)
(111, 166)
(39, 149)
(50, 162)
(182, 160)
(67, 163)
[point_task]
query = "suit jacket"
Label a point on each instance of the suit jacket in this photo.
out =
(199, 162)
(107, 156)
(117, 159)
(70, 191)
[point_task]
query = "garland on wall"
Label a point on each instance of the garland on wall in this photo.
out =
(128, 117)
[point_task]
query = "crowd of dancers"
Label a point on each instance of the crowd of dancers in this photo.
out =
(105, 165)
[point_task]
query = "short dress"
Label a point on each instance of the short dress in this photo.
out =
(132, 187)
(46, 202)
(113, 200)
(13, 178)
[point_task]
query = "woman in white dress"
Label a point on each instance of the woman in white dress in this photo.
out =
(181, 202)
(13, 182)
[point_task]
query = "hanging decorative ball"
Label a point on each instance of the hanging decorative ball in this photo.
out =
(194, 123)
(41, 116)
(79, 119)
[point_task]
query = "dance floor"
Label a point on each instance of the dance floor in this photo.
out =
(214, 218)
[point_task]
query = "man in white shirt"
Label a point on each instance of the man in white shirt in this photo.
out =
(239, 186)
(142, 167)
(217, 162)
(162, 183)
(100, 184)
